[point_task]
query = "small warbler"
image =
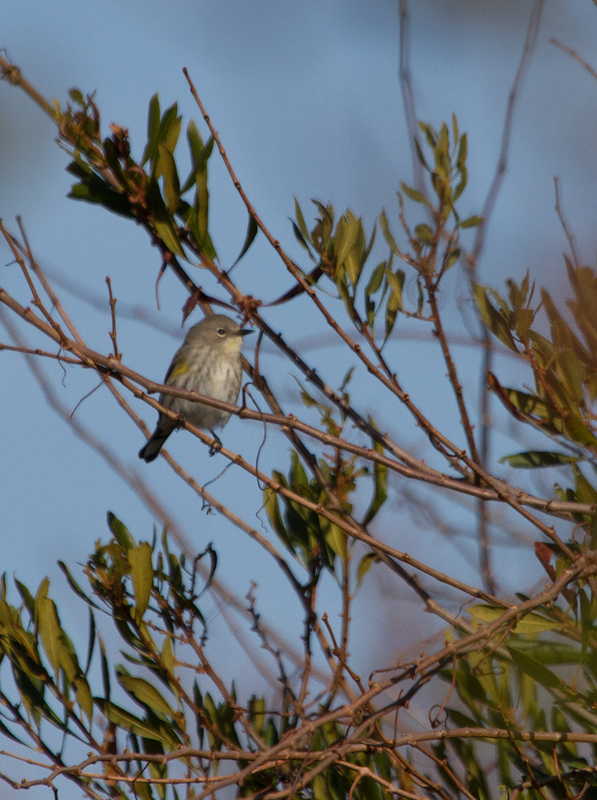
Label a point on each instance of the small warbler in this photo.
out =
(208, 362)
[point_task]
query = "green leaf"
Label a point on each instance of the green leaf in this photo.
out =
(91, 641)
(153, 128)
(50, 631)
(76, 96)
(84, 698)
(393, 304)
(169, 136)
(141, 576)
(213, 559)
(144, 693)
(6, 732)
(531, 623)
(550, 652)
(376, 279)
(380, 475)
(396, 283)
(162, 220)
(534, 669)
(593, 541)
(167, 656)
(414, 195)
(201, 207)
(462, 151)
(31, 691)
(105, 669)
(113, 160)
(364, 566)
(200, 157)
(301, 240)
(74, 585)
(130, 722)
(452, 258)
(345, 238)
(54, 641)
(336, 539)
(120, 532)
(252, 230)
(424, 233)
(257, 713)
(471, 222)
(494, 320)
(385, 228)
(534, 459)
(27, 597)
(462, 185)
(195, 142)
(272, 509)
(170, 177)
(94, 189)
(300, 220)
(586, 620)
(168, 132)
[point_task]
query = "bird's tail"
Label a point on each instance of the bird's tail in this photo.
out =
(154, 444)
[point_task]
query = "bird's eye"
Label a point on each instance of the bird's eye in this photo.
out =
(221, 331)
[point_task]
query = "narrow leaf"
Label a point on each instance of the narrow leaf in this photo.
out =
(252, 230)
(153, 128)
(144, 693)
(534, 459)
(364, 566)
(142, 576)
(414, 195)
(120, 531)
(170, 178)
(535, 669)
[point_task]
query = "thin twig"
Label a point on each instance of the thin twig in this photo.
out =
(112, 303)
(408, 99)
(523, 66)
(565, 227)
(575, 56)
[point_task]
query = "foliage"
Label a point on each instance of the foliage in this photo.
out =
(517, 676)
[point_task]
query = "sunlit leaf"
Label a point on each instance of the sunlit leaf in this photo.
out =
(414, 195)
(153, 129)
(424, 233)
(170, 177)
(84, 698)
(120, 531)
(385, 228)
(494, 320)
(144, 692)
(471, 222)
(130, 722)
(257, 713)
(537, 458)
(364, 566)
(141, 576)
(531, 623)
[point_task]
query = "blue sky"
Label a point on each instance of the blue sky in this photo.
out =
(306, 99)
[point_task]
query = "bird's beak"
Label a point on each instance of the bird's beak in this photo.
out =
(244, 332)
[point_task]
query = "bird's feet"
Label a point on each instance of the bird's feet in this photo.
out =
(216, 445)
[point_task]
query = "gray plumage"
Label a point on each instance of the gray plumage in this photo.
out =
(208, 362)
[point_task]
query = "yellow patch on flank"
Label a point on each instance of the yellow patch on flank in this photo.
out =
(179, 369)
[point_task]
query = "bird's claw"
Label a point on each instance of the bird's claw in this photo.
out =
(216, 445)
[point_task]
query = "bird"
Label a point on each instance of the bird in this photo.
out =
(208, 362)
